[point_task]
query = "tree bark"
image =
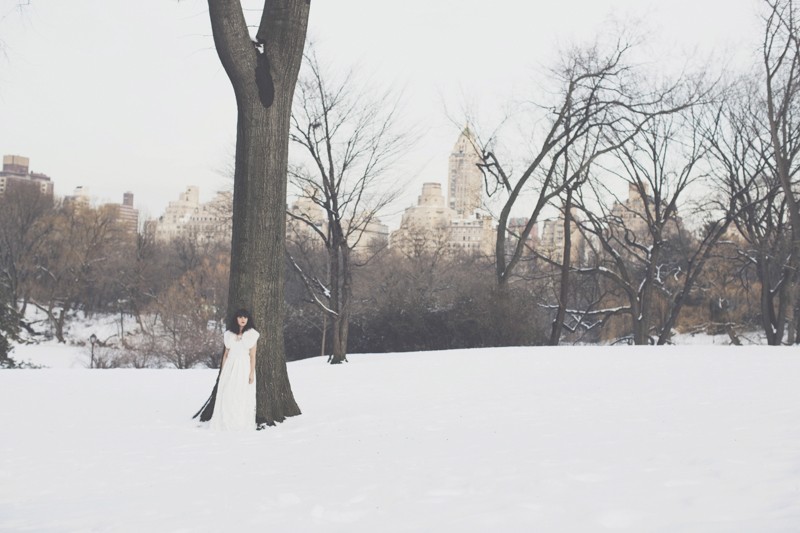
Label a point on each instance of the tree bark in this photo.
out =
(558, 322)
(769, 320)
(781, 94)
(341, 322)
(259, 194)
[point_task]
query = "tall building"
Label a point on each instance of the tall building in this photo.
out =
(457, 225)
(514, 228)
(187, 217)
(375, 234)
(80, 197)
(213, 221)
(465, 180)
(424, 227)
(16, 173)
(301, 232)
(430, 226)
(551, 243)
(127, 215)
(632, 214)
(124, 214)
(365, 238)
(472, 235)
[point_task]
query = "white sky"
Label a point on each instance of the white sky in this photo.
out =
(120, 95)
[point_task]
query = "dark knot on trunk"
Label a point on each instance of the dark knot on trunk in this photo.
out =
(266, 88)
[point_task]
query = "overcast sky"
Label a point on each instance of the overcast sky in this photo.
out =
(117, 95)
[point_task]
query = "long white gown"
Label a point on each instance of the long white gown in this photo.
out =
(235, 406)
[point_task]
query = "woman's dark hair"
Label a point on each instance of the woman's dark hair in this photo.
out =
(234, 326)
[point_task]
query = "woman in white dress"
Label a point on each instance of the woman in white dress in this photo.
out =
(235, 405)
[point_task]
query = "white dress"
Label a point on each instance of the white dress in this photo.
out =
(235, 406)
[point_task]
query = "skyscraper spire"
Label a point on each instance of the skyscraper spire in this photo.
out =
(465, 181)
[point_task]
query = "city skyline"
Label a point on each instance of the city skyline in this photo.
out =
(111, 112)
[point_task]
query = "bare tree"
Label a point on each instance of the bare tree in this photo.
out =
(565, 267)
(26, 221)
(263, 72)
(599, 107)
(741, 149)
(144, 274)
(645, 251)
(781, 62)
(349, 137)
(9, 322)
(186, 311)
(74, 259)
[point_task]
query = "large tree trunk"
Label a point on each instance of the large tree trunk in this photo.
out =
(640, 332)
(643, 320)
(767, 301)
(638, 325)
(782, 61)
(341, 325)
(264, 86)
(793, 291)
(558, 322)
(257, 268)
(59, 324)
(784, 303)
(796, 326)
(789, 295)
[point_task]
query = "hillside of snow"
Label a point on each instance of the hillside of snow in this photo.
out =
(669, 439)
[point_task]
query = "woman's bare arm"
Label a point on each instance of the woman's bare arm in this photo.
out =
(252, 364)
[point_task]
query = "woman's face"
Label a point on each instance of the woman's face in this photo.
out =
(242, 321)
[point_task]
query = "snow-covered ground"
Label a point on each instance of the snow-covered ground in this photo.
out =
(669, 439)
(43, 350)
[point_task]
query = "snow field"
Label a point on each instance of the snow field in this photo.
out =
(694, 439)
